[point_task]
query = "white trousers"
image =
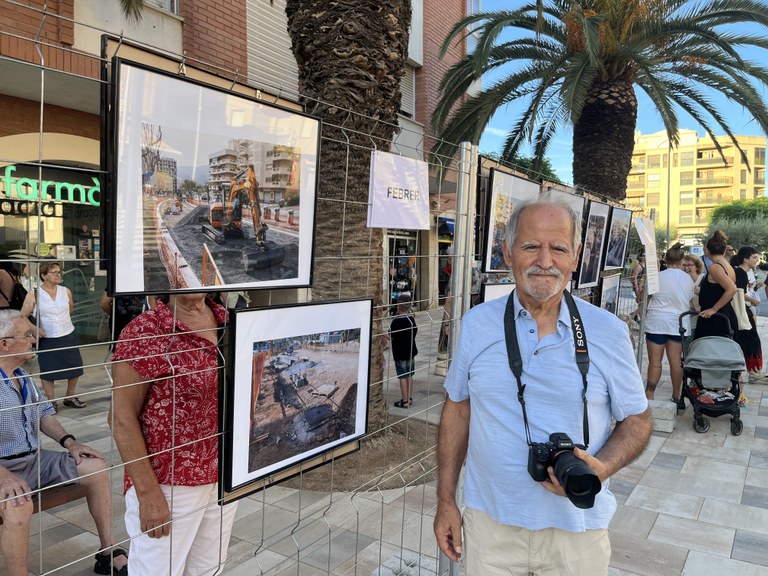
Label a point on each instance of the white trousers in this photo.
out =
(200, 530)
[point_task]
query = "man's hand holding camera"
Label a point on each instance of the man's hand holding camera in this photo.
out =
(597, 466)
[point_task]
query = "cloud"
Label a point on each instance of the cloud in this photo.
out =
(495, 132)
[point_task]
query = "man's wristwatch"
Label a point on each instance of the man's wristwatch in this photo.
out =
(65, 438)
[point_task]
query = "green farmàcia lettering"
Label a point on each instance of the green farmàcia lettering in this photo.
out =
(27, 189)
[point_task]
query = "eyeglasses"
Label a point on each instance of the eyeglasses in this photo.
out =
(55, 272)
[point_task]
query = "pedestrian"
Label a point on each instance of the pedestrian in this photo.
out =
(58, 344)
(165, 425)
(662, 324)
(716, 291)
(532, 507)
(403, 332)
(743, 262)
(26, 468)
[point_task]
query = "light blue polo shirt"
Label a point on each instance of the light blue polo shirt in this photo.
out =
(497, 480)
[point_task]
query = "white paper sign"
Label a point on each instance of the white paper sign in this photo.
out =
(398, 195)
(646, 231)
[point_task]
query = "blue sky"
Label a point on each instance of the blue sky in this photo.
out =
(648, 120)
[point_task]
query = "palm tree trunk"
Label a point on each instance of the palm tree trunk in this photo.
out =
(603, 139)
(351, 56)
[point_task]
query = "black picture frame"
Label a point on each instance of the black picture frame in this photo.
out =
(507, 191)
(610, 287)
(299, 373)
(617, 238)
(247, 223)
(590, 264)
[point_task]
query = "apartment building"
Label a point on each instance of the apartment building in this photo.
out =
(683, 184)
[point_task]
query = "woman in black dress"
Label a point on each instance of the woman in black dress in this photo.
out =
(746, 259)
(716, 290)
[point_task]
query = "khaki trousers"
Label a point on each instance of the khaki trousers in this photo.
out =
(493, 549)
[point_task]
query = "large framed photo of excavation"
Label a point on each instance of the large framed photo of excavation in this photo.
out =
(507, 192)
(298, 390)
(212, 190)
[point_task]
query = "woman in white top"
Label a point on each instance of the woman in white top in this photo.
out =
(662, 333)
(58, 345)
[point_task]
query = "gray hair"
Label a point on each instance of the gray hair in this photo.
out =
(510, 233)
(7, 318)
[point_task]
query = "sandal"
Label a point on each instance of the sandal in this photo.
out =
(104, 563)
(680, 403)
(402, 404)
(74, 402)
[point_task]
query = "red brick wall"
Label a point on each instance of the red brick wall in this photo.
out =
(439, 18)
(215, 32)
(23, 116)
(19, 26)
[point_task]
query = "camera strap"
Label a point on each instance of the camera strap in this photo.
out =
(516, 362)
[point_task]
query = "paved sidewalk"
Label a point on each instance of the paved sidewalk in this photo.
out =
(692, 504)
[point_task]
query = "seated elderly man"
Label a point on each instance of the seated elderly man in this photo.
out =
(25, 413)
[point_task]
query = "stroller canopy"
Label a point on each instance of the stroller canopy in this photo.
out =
(715, 353)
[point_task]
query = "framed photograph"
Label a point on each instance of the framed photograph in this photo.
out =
(298, 388)
(566, 196)
(617, 238)
(507, 192)
(494, 291)
(592, 245)
(212, 190)
(609, 293)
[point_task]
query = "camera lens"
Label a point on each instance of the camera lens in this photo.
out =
(580, 483)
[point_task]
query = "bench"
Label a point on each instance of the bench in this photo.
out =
(56, 496)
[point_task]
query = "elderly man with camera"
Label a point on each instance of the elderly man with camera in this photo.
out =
(545, 402)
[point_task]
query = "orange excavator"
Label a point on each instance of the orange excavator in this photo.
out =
(243, 190)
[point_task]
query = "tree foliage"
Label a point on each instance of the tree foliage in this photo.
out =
(579, 62)
(740, 210)
(749, 231)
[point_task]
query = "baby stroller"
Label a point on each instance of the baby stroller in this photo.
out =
(711, 369)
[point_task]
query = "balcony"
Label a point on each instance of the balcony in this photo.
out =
(714, 161)
(635, 185)
(719, 181)
(712, 199)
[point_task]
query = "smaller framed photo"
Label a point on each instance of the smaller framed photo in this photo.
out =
(609, 293)
(507, 192)
(616, 248)
(592, 245)
(298, 391)
(494, 291)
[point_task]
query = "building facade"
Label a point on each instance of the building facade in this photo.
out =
(683, 184)
(50, 56)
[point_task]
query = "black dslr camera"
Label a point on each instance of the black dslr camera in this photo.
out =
(580, 483)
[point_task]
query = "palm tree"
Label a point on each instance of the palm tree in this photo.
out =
(579, 62)
(351, 57)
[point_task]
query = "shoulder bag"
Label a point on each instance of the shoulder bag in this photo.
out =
(740, 308)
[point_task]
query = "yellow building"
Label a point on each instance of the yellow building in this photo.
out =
(696, 180)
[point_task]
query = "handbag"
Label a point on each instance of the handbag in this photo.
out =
(740, 307)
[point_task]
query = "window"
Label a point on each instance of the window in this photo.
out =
(706, 154)
(743, 194)
(686, 159)
(759, 175)
(686, 217)
(760, 156)
(652, 199)
(686, 197)
(638, 163)
(743, 177)
(686, 178)
(169, 5)
(654, 161)
(653, 180)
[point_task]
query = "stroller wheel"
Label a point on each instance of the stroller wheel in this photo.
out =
(701, 425)
(737, 427)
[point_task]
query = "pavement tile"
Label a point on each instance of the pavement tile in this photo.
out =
(703, 564)
(621, 489)
(632, 521)
(732, 515)
(675, 484)
(693, 535)
(637, 555)
(668, 460)
(758, 460)
(751, 547)
(682, 505)
(755, 496)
